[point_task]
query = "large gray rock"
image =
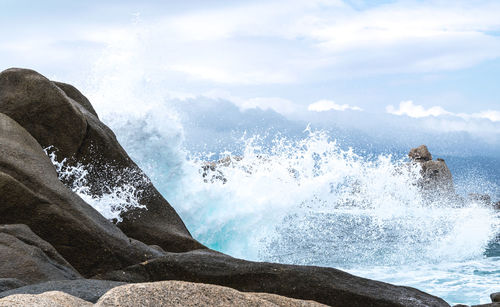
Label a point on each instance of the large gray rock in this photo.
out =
(179, 293)
(325, 285)
(64, 118)
(28, 258)
(10, 283)
(31, 194)
(47, 299)
(87, 289)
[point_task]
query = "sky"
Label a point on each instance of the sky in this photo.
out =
(436, 62)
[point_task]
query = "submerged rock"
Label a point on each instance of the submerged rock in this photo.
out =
(58, 115)
(179, 293)
(325, 285)
(30, 259)
(87, 289)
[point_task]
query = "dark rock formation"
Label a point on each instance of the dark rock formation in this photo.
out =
(31, 194)
(480, 198)
(325, 285)
(30, 259)
(87, 289)
(10, 283)
(495, 297)
(65, 120)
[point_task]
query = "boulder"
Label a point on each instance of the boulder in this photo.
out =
(58, 115)
(480, 198)
(47, 299)
(30, 259)
(420, 154)
(86, 289)
(10, 283)
(179, 293)
(73, 93)
(436, 182)
(324, 285)
(31, 194)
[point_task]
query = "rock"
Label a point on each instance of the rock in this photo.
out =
(325, 285)
(86, 289)
(480, 198)
(496, 206)
(31, 194)
(487, 305)
(420, 154)
(73, 93)
(179, 293)
(10, 283)
(437, 182)
(63, 118)
(495, 297)
(30, 259)
(47, 299)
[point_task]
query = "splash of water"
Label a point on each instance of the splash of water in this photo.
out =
(110, 204)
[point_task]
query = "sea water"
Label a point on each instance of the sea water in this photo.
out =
(310, 201)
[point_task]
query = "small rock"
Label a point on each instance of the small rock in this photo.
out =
(480, 198)
(47, 299)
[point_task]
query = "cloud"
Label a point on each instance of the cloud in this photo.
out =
(410, 109)
(327, 105)
(415, 111)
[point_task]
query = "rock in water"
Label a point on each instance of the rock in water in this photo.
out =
(28, 258)
(324, 285)
(31, 194)
(87, 289)
(179, 293)
(420, 154)
(64, 118)
(436, 182)
(495, 297)
(47, 299)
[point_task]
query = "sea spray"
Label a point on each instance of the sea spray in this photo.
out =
(110, 203)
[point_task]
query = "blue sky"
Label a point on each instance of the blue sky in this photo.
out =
(418, 59)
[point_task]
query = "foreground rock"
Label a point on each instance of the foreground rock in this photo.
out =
(325, 285)
(28, 258)
(31, 194)
(178, 293)
(58, 115)
(47, 299)
(86, 289)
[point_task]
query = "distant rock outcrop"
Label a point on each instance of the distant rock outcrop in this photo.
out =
(436, 182)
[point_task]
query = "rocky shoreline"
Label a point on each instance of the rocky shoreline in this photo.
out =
(57, 250)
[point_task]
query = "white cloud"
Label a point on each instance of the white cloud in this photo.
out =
(327, 105)
(416, 111)
(410, 109)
